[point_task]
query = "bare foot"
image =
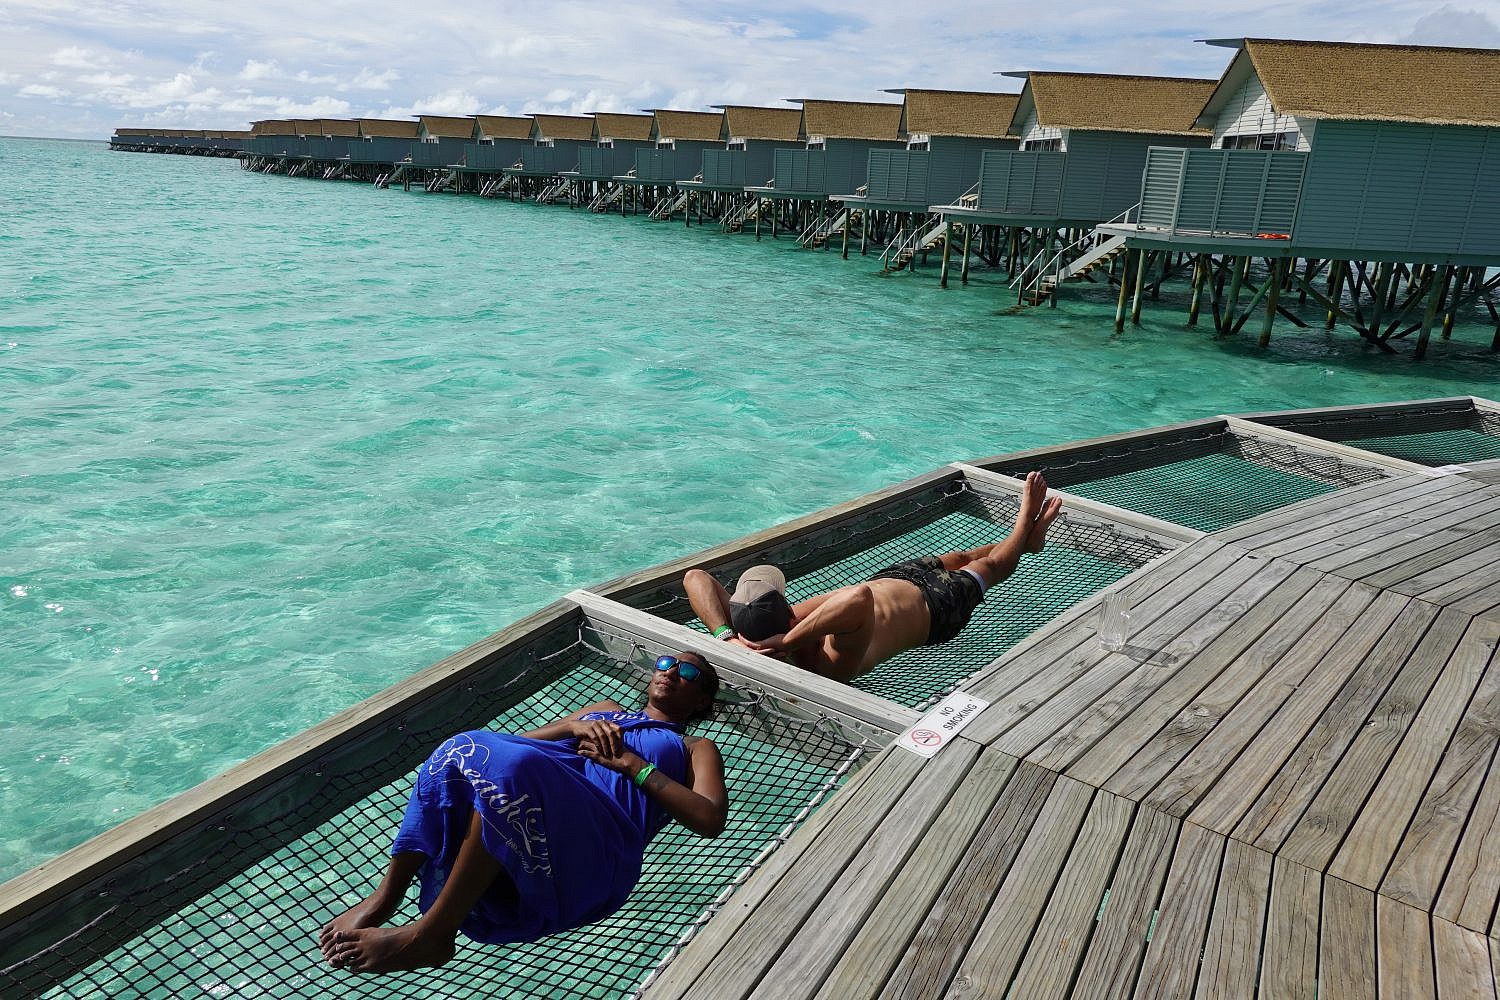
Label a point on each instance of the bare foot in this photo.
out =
(1036, 535)
(370, 912)
(388, 949)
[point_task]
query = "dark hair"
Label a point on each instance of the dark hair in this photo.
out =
(709, 678)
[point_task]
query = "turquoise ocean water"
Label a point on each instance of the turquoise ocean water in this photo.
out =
(270, 445)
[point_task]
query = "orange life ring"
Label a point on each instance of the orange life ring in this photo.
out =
(1273, 236)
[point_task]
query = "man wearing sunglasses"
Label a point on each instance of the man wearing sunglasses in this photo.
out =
(516, 837)
(846, 632)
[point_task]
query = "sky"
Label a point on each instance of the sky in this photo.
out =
(79, 68)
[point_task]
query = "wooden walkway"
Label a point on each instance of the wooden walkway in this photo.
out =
(1286, 785)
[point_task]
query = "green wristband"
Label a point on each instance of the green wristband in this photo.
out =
(642, 775)
(724, 632)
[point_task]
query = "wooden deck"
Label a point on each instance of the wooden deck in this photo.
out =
(1286, 785)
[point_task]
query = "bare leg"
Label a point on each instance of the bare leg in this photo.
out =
(998, 560)
(380, 905)
(708, 597)
(427, 941)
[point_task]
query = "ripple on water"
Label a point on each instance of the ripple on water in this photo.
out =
(273, 445)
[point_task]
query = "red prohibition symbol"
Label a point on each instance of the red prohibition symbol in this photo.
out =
(926, 737)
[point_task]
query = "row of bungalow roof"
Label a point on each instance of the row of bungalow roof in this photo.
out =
(1072, 148)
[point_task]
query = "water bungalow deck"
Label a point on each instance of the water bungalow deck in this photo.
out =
(1283, 786)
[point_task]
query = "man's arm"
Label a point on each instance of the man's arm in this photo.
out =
(844, 612)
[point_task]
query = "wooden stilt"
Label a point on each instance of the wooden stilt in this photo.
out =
(947, 247)
(846, 236)
(1275, 278)
(1124, 291)
(864, 233)
(963, 272)
(1458, 285)
(1434, 298)
(1142, 262)
(1236, 279)
(1337, 272)
(1200, 274)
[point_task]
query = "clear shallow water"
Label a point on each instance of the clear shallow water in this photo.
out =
(270, 445)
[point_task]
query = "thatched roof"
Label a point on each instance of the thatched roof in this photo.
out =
(235, 135)
(305, 126)
(342, 127)
(701, 126)
(851, 120)
(1104, 102)
(1354, 81)
(608, 125)
(504, 126)
(385, 128)
(273, 126)
(740, 122)
(446, 127)
(564, 127)
(967, 113)
(134, 131)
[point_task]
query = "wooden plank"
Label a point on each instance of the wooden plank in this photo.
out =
(1347, 539)
(1160, 615)
(1056, 948)
(1357, 411)
(1289, 966)
(1077, 633)
(1153, 527)
(1402, 541)
(998, 948)
(1421, 862)
(1162, 750)
(1296, 783)
(941, 942)
(1239, 731)
(1404, 946)
(1347, 956)
(1113, 957)
(1317, 536)
(1471, 887)
(1153, 647)
(1462, 960)
(1320, 830)
(1324, 507)
(1452, 583)
(1170, 969)
(1231, 957)
(1133, 440)
(818, 851)
(1204, 647)
(879, 941)
(1381, 825)
(848, 874)
(1337, 449)
(1431, 559)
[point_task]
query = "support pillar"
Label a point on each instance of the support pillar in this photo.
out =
(1124, 291)
(1141, 263)
(947, 247)
(1338, 269)
(1273, 297)
(1434, 297)
(1200, 274)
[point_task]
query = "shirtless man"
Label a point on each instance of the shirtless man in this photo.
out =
(846, 632)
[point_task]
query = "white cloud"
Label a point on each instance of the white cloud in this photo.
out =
(448, 102)
(107, 79)
(1448, 25)
(255, 70)
(74, 57)
(6, 79)
(42, 90)
(366, 79)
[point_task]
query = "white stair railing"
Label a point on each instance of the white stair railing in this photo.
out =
(1055, 267)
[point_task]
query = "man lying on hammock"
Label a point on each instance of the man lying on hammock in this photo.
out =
(517, 837)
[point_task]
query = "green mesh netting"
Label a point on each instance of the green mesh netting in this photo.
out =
(1208, 493)
(1081, 559)
(1209, 481)
(255, 935)
(1450, 447)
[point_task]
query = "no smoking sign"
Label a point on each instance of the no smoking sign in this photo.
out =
(942, 722)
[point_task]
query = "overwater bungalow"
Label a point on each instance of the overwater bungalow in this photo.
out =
(271, 142)
(750, 137)
(1083, 141)
(496, 142)
(617, 138)
(556, 141)
(1274, 776)
(439, 148)
(1363, 177)
(325, 147)
(678, 142)
(837, 139)
(383, 145)
(947, 133)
